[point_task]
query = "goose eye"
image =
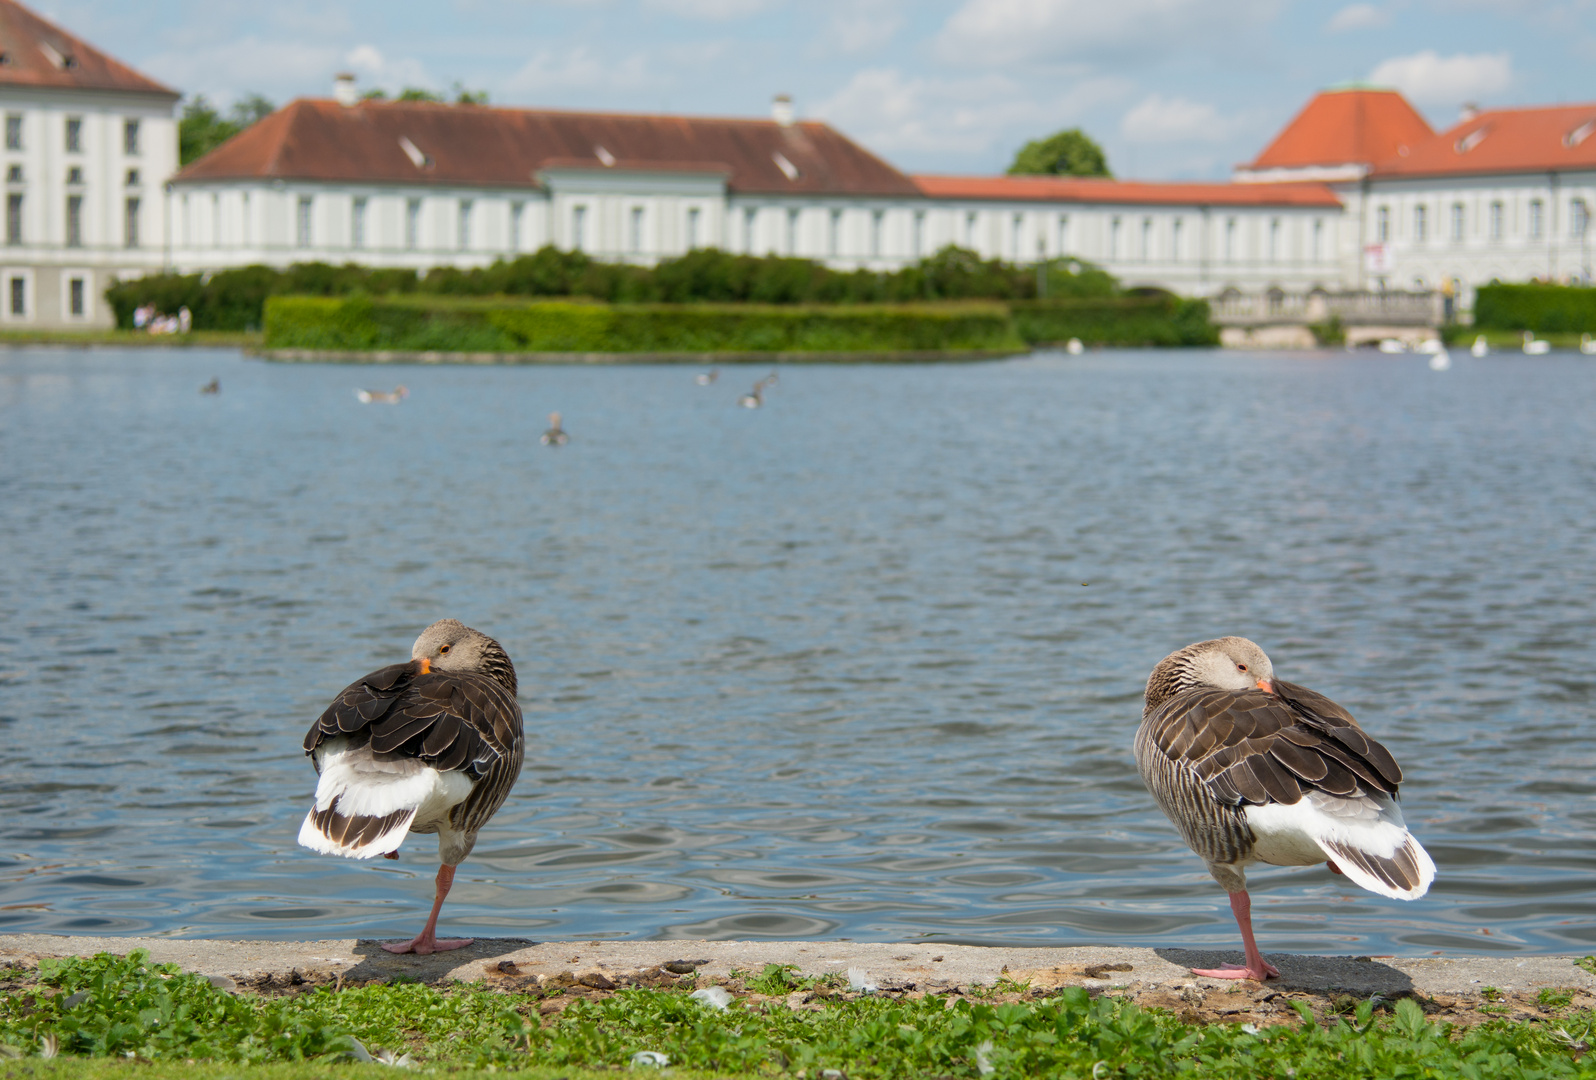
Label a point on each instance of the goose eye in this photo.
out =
(446, 648)
(1239, 667)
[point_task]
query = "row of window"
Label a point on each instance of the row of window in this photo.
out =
(17, 305)
(73, 134)
(74, 220)
(74, 175)
(1496, 221)
(1176, 248)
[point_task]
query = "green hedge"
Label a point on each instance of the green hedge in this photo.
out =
(1125, 320)
(1546, 309)
(234, 299)
(422, 323)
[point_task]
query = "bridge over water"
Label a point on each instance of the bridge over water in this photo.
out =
(1278, 319)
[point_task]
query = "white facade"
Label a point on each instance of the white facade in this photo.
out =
(645, 216)
(84, 176)
(1422, 233)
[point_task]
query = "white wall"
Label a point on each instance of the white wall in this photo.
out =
(46, 257)
(1477, 256)
(643, 217)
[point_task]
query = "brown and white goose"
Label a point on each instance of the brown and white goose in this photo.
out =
(1253, 769)
(432, 746)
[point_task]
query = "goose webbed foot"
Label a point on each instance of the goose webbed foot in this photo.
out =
(427, 942)
(425, 945)
(1240, 971)
(1256, 968)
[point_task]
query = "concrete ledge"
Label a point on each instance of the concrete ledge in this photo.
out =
(925, 967)
(402, 356)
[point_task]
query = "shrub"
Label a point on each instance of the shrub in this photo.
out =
(235, 299)
(1546, 309)
(428, 323)
(1139, 320)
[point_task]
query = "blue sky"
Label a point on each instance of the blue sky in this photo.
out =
(1171, 88)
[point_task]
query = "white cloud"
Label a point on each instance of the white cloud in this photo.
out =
(893, 113)
(377, 70)
(1431, 79)
(555, 72)
(996, 32)
(224, 70)
(715, 10)
(367, 58)
(1157, 119)
(1357, 17)
(861, 25)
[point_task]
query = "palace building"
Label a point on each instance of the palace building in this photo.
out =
(89, 146)
(1356, 194)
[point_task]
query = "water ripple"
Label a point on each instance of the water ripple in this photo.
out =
(862, 664)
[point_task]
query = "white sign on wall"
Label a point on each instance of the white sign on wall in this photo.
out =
(1377, 259)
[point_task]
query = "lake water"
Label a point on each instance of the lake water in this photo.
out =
(864, 663)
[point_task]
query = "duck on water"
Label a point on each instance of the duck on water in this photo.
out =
(1254, 769)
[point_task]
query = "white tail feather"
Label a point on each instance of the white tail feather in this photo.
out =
(388, 839)
(365, 807)
(1364, 836)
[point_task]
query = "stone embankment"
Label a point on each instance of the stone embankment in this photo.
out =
(1466, 988)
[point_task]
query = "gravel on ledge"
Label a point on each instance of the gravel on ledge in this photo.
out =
(927, 967)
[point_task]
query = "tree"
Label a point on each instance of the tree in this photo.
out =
(1067, 153)
(202, 129)
(417, 93)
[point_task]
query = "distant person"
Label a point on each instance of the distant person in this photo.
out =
(185, 319)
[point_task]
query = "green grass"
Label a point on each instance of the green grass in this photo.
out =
(1504, 341)
(210, 339)
(138, 1019)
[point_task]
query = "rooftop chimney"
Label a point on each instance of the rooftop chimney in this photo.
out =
(781, 110)
(344, 92)
(1468, 112)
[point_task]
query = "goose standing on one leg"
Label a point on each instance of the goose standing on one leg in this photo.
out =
(1252, 769)
(429, 746)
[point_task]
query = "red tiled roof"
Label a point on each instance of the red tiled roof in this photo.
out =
(1549, 139)
(313, 139)
(40, 53)
(1131, 192)
(1345, 127)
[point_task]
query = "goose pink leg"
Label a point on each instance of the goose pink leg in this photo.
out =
(1257, 968)
(427, 941)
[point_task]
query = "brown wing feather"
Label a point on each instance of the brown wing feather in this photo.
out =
(1249, 746)
(450, 721)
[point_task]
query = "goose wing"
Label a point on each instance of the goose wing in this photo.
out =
(450, 721)
(1249, 746)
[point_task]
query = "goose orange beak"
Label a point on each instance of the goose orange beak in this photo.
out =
(426, 666)
(1263, 684)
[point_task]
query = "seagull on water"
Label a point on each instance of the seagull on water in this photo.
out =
(382, 397)
(1254, 769)
(756, 397)
(556, 435)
